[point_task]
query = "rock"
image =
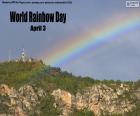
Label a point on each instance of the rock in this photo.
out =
(20, 102)
(5, 90)
(98, 99)
(19, 112)
(65, 99)
(65, 96)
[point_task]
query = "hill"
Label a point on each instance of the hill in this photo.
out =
(33, 88)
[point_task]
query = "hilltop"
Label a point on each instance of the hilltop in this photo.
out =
(33, 88)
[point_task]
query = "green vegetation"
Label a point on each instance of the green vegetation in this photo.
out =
(46, 107)
(18, 73)
(3, 108)
(137, 85)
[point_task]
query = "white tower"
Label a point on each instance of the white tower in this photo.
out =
(23, 56)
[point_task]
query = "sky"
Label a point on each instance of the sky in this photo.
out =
(117, 58)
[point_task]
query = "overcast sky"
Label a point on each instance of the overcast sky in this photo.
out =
(118, 61)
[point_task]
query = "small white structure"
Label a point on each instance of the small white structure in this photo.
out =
(23, 56)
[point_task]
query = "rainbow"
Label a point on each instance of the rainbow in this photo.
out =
(93, 39)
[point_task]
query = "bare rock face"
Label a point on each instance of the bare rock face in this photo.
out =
(65, 98)
(98, 99)
(19, 102)
(5, 90)
(102, 98)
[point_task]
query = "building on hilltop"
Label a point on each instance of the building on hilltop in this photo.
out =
(25, 58)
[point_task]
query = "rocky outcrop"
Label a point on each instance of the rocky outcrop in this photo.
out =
(66, 100)
(19, 102)
(99, 99)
